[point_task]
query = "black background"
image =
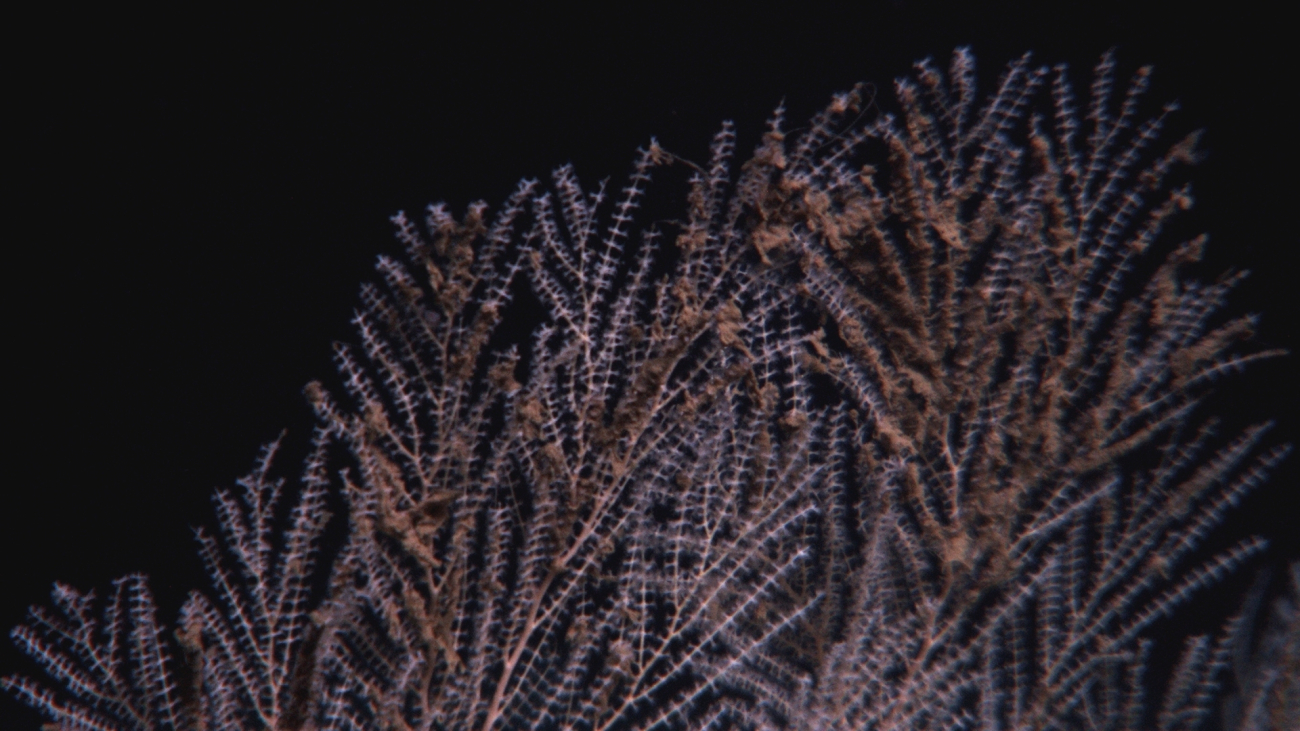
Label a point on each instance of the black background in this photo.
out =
(194, 199)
